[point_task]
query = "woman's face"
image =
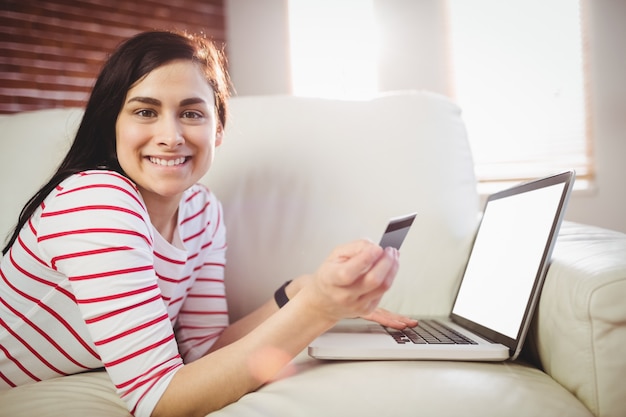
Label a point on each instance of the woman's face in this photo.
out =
(167, 130)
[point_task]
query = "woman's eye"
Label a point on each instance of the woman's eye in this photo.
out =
(145, 113)
(192, 115)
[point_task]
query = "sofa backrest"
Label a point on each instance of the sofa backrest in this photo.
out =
(33, 145)
(298, 176)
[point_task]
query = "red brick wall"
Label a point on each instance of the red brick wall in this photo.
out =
(52, 50)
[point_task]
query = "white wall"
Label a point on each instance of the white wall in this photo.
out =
(257, 33)
(414, 57)
(606, 205)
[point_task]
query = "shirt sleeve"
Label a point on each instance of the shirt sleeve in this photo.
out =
(95, 231)
(204, 313)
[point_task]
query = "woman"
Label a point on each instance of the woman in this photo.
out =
(118, 261)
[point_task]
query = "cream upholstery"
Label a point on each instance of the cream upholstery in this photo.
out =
(298, 176)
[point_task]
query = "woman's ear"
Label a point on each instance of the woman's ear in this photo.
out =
(219, 134)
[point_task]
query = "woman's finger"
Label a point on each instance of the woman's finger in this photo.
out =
(380, 277)
(389, 319)
(353, 262)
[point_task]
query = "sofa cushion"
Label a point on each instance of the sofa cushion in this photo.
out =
(408, 389)
(309, 388)
(89, 394)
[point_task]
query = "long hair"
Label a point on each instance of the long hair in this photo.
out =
(94, 144)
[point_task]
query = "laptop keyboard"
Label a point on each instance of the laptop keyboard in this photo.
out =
(429, 332)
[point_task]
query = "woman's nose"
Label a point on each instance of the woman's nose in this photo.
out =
(170, 133)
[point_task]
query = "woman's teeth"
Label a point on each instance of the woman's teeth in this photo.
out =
(167, 162)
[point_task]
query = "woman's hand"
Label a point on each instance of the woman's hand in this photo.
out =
(352, 280)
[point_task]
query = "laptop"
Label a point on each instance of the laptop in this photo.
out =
(497, 296)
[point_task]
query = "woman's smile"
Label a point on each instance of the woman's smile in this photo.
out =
(168, 161)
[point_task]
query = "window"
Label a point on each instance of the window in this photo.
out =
(517, 72)
(519, 78)
(328, 57)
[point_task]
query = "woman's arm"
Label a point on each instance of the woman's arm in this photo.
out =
(349, 283)
(247, 323)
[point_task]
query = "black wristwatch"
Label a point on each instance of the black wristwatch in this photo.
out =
(281, 296)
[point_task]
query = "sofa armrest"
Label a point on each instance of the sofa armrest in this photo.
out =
(579, 332)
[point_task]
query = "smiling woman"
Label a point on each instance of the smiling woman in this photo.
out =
(112, 233)
(122, 259)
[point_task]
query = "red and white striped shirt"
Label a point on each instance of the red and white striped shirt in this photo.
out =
(90, 283)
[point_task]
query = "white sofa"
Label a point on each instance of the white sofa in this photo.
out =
(298, 176)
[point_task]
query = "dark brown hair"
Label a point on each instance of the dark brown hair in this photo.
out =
(94, 144)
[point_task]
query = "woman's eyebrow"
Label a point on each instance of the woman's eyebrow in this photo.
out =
(192, 100)
(145, 100)
(155, 102)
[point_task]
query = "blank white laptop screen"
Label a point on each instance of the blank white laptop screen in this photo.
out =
(508, 264)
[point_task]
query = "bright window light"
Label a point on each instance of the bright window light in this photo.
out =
(334, 48)
(519, 78)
